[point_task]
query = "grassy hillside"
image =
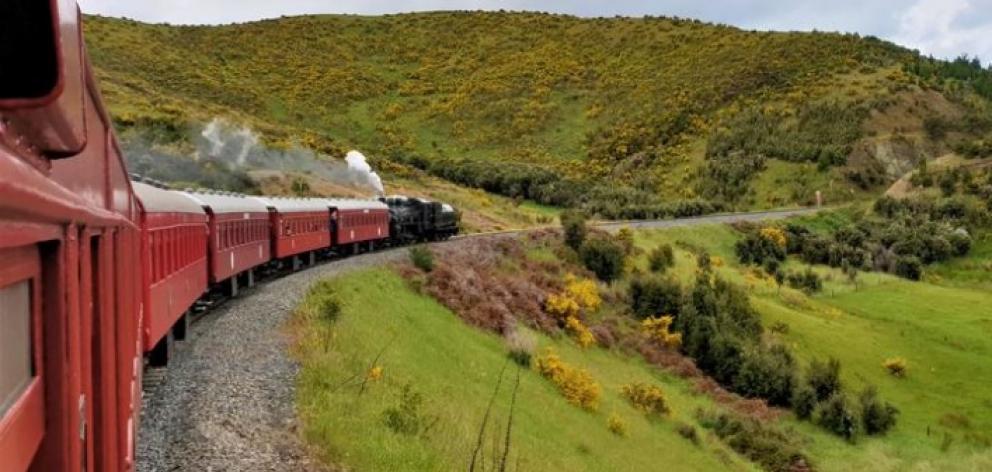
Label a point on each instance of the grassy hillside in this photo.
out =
(939, 326)
(417, 342)
(624, 115)
(387, 336)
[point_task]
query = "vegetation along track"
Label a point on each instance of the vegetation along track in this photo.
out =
(226, 400)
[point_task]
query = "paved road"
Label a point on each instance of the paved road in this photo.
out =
(226, 401)
(706, 220)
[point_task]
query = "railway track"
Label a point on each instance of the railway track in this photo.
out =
(226, 400)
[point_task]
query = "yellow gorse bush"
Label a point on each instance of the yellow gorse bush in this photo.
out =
(585, 292)
(616, 424)
(896, 366)
(561, 306)
(775, 235)
(575, 384)
(647, 398)
(375, 373)
(657, 329)
(580, 332)
(579, 294)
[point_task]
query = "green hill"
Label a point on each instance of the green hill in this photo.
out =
(628, 116)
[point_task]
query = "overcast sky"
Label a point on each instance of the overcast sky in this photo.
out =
(944, 28)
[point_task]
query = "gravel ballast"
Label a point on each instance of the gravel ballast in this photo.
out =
(226, 400)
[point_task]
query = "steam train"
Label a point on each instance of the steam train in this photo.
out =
(98, 273)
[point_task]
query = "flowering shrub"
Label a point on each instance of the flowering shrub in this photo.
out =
(580, 332)
(585, 292)
(647, 398)
(579, 295)
(575, 384)
(617, 425)
(561, 306)
(375, 373)
(657, 330)
(775, 235)
(896, 366)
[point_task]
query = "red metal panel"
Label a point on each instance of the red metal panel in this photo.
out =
(104, 354)
(358, 225)
(295, 233)
(230, 257)
(22, 427)
(181, 277)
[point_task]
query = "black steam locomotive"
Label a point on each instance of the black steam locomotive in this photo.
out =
(414, 219)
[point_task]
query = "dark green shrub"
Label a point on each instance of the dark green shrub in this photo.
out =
(824, 378)
(756, 249)
(661, 258)
(804, 401)
(768, 373)
(807, 281)
(909, 267)
(960, 242)
(604, 257)
(837, 415)
(948, 183)
(573, 224)
(877, 416)
(688, 431)
(407, 416)
(325, 301)
(422, 258)
(655, 296)
(771, 448)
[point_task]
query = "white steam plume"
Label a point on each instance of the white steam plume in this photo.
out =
(361, 169)
(239, 147)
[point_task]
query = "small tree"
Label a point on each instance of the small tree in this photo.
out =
(837, 415)
(650, 296)
(824, 378)
(573, 224)
(877, 417)
(603, 256)
(661, 258)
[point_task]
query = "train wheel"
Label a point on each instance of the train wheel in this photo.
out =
(159, 355)
(181, 326)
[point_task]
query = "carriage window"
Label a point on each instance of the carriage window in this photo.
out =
(27, 43)
(15, 343)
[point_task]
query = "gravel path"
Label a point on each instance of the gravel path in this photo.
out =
(225, 403)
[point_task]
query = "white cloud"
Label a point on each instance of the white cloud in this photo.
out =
(939, 27)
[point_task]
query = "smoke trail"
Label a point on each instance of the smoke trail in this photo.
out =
(239, 149)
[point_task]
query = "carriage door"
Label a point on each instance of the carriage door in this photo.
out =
(101, 332)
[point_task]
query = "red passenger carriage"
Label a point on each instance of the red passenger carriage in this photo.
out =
(299, 226)
(174, 263)
(239, 238)
(355, 223)
(70, 320)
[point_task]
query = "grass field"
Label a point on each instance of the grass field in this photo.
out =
(455, 368)
(942, 330)
(941, 327)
